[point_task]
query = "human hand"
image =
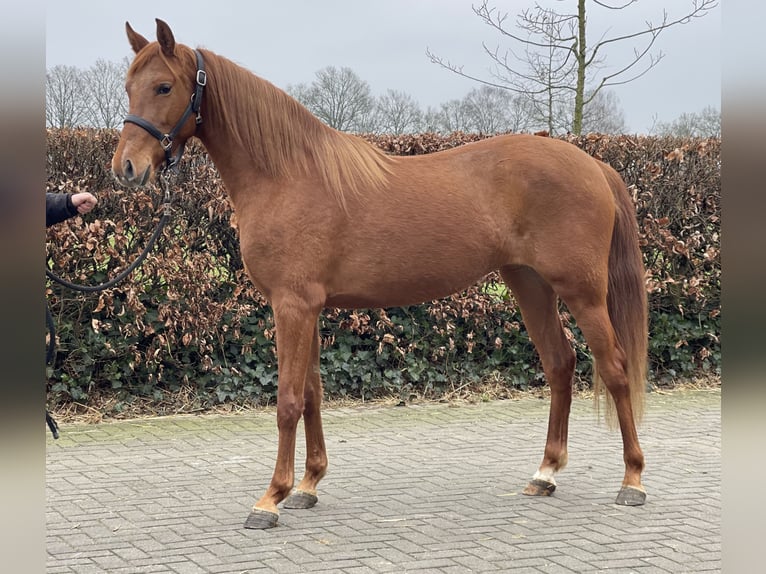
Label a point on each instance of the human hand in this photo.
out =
(84, 201)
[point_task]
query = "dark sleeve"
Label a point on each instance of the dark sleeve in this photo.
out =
(58, 207)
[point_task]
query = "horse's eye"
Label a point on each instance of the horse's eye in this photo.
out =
(163, 89)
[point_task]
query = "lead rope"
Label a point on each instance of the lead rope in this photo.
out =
(167, 210)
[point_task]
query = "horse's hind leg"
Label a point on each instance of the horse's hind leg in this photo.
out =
(305, 494)
(539, 309)
(593, 320)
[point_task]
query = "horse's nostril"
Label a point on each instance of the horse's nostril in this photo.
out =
(128, 169)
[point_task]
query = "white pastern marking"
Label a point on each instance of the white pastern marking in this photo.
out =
(546, 475)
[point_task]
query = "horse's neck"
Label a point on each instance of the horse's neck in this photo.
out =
(232, 162)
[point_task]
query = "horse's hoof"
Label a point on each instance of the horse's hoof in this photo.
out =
(300, 499)
(538, 487)
(630, 496)
(261, 519)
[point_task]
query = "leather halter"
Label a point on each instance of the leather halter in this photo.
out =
(166, 140)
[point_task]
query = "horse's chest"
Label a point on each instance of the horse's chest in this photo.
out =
(275, 255)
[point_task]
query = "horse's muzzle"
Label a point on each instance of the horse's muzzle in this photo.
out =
(129, 176)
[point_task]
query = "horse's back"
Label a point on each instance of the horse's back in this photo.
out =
(507, 167)
(511, 188)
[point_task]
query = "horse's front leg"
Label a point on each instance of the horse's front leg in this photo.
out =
(305, 494)
(295, 321)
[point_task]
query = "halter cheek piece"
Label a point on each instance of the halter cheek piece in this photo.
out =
(166, 140)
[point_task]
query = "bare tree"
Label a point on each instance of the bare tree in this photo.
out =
(551, 72)
(553, 61)
(66, 99)
(454, 117)
(710, 122)
(105, 87)
(706, 123)
(338, 97)
(431, 121)
(493, 110)
(397, 113)
(603, 114)
(486, 107)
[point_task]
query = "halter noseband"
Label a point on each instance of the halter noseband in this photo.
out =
(166, 140)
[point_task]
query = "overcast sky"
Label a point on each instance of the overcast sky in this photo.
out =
(385, 42)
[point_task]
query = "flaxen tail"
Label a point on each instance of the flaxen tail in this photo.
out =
(626, 298)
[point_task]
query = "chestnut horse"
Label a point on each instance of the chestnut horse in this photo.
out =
(327, 220)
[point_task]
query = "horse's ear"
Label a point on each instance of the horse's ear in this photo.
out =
(137, 41)
(165, 38)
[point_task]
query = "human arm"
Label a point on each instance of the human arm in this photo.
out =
(62, 206)
(58, 207)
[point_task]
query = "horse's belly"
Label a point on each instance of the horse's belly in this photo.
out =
(401, 284)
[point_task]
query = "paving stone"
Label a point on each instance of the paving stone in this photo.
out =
(431, 488)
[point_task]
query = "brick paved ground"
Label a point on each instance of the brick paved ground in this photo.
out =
(420, 489)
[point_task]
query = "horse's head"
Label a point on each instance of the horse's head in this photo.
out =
(164, 85)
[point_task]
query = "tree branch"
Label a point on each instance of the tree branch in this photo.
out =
(608, 7)
(701, 8)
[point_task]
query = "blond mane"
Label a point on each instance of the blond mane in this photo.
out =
(284, 139)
